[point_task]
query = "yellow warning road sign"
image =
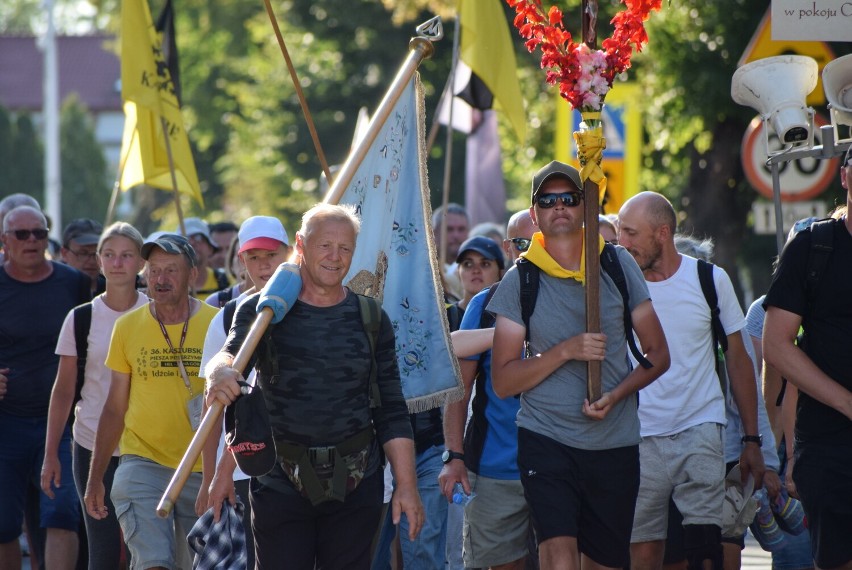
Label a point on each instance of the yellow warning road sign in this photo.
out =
(762, 45)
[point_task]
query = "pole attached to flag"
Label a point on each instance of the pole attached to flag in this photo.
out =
(419, 48)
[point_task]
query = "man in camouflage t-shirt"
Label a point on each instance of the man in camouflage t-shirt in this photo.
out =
(314, 370)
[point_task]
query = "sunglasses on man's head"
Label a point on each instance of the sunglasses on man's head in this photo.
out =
(521, 244)
(569, 199)
(24, 235)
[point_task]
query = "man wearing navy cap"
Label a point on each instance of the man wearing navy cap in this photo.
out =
(153, 408)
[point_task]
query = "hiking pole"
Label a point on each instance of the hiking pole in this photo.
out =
(211, 418)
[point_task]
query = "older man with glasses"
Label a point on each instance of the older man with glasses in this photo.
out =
(35, 294)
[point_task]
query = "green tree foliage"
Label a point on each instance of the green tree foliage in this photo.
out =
(694, 130)
(85, 189)
(253, 146)
(21, 156)
(5, 153)
(27, 173)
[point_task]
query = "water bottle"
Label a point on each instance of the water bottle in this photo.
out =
(765, 528)
(460, 497)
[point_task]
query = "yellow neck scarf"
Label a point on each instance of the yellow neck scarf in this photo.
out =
(538, 256)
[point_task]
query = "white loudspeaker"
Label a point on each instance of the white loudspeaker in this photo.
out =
(777, 87)
(837, 84)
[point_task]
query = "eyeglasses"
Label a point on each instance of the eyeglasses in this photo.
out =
(84, 254)
(521, 244)
(24, 235)
(569, 199)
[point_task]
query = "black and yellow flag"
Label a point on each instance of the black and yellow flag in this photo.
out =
(150, 104)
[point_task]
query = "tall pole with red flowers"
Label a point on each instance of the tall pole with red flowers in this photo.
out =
(585, 75)
(591, 208)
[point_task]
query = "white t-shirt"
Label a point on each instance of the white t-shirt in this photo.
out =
(98, 377)
(213, 343)
(688, 394)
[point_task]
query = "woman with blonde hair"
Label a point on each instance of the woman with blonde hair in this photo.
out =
(85, 385)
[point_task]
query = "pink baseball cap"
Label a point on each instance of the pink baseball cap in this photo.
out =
(262, 232)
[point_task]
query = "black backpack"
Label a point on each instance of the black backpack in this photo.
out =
(82, 326)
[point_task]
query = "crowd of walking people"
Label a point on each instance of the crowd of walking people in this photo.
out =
(711, 423)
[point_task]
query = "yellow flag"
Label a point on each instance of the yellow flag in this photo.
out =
(149, 105)
(486, 47)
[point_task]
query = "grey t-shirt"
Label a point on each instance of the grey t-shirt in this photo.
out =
(554, 408)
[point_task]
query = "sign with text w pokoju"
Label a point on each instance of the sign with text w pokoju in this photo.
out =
(822, 20)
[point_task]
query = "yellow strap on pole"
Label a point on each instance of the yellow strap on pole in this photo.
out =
(590, 146)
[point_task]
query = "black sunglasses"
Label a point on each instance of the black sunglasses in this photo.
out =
(24, 235)
(569, 199)
(521, 244)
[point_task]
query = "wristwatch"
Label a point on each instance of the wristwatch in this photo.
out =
(448, 456)
(758, 439)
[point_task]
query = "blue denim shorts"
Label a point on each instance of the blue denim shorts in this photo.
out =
(21, 456)
(153, 541)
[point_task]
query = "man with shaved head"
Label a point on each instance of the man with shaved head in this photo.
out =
(683, 412)
(35, 294)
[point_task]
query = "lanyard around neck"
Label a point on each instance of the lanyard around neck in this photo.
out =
(163, 330)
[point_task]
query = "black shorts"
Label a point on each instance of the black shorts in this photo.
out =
(589, 495)
(822, 474)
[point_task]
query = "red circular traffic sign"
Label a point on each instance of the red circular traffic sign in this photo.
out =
(800, 179)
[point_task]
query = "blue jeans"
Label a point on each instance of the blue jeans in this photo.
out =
(21, 456)
(387, 532)
(428, 551)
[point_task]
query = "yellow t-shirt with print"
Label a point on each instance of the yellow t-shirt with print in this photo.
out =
(157, 425)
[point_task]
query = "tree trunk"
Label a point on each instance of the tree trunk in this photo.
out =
(716, 205)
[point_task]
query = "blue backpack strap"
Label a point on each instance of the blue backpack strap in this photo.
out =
(477, 427)
(612, 266)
